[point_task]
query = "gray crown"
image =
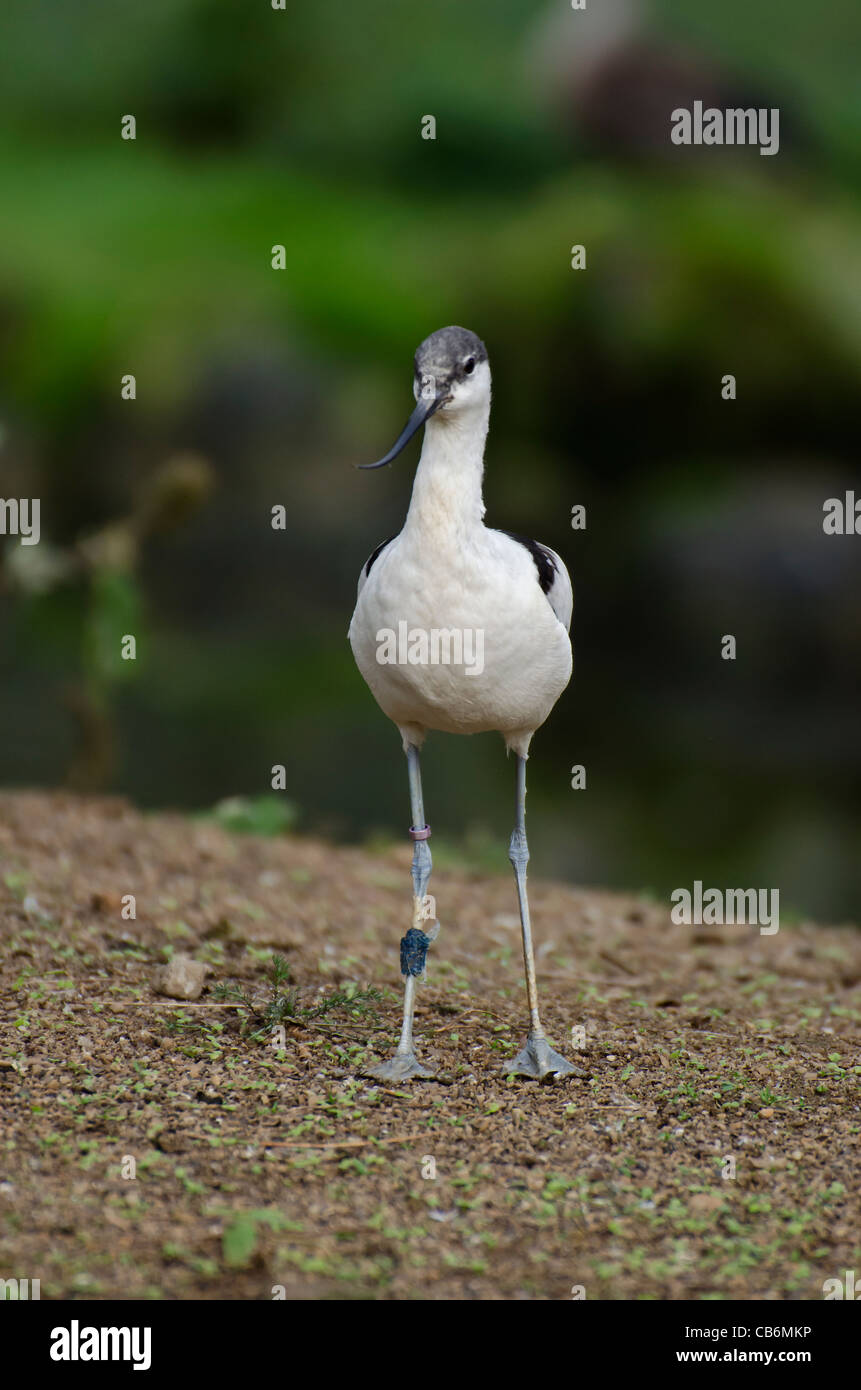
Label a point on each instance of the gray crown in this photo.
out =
(444, 354)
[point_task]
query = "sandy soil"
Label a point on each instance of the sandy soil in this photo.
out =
(256, 1167)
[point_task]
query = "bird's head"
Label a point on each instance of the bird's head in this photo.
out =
(452, 376)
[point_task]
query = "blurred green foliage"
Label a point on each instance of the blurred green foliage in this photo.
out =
(258, 127)
(257, 815)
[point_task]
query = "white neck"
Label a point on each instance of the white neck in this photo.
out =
(447, 504)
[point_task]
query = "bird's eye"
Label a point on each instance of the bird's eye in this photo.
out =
(469, 366)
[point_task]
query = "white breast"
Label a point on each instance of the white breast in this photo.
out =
(483, 600)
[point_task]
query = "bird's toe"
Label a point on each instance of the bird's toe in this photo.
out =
(538, 1060)
(404, 1066)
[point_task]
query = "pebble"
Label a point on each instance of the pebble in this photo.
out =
(181, 978)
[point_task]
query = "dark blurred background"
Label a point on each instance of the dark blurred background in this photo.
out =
(255, 387)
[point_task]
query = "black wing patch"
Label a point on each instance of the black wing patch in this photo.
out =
(371, 558)
(544, 562)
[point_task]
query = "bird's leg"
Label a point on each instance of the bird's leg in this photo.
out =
(537, 1058)
(423, 931)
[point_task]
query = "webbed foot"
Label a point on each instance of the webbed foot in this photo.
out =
(538, 1059)
(402, 1067)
